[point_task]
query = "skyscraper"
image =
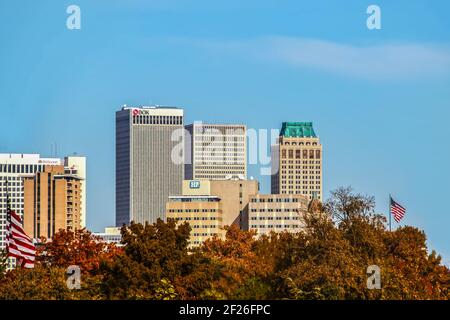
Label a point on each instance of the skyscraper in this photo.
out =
(149, 161)
(216, 151)
(297, 161)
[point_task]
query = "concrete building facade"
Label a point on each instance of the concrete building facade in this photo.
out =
(52, 201)
(203, 213)
(149, 162)
(12, 169)
(276, 212)
(234, 195)
(297, 164)
(76, 165)
(215, 151)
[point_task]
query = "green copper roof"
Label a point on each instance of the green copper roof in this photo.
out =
(298, 130)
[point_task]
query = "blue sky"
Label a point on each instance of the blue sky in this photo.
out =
(379, 99)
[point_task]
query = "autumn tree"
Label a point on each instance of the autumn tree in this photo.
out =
(79, 247)
(327, 259)
(243, 273)
(156, 257)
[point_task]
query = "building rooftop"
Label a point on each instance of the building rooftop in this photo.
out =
(200, 198)
(125, 107)
(298, 130)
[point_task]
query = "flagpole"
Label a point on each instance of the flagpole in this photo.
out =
(390, 214)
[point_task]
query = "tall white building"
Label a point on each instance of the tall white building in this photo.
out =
(215, 151)
(12, 168)
(149, 162)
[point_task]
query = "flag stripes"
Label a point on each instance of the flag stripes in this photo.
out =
(397, 211)
(18, 244)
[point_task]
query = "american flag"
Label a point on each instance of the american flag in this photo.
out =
(18, 244)
(397, 210)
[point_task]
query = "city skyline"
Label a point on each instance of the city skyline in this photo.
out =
(382, 122)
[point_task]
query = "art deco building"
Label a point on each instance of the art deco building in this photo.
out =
(297, 161)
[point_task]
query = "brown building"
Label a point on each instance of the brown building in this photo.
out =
(297, 161)
(52, 201)
(203, 213)
(233, 193)
(277, 212)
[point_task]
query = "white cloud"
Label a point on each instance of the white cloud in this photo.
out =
(382, 61)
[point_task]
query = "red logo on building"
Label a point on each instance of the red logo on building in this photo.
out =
(135, 112)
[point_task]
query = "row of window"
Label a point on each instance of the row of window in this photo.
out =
(284, 162)
(275, 200)
(300, 154)
(20, 168)
(205, 234)
(206, 167)
(197, 218)
(272, 218)
(287, 210)
(293, 143)
(205, 226)
(139, 119)
(271, 226)
(299, 178)
(192, 210)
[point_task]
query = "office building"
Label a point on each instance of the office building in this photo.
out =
(234, 196)
(276, 212)
(297, 161)
(12, 169)
(52, 201)
(215, 151)
(149, 162)
(203, 213)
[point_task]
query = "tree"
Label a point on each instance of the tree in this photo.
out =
(3, 262)
(243, 273)
(79, 247)
(327, 259)
(156, 258)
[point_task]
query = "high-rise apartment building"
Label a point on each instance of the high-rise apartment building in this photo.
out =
(52, 201)
(297, 161)
(12, 169)
(215, 151)
(76, 165)
(149, 162)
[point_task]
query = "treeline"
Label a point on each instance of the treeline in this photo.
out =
(327, 260)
